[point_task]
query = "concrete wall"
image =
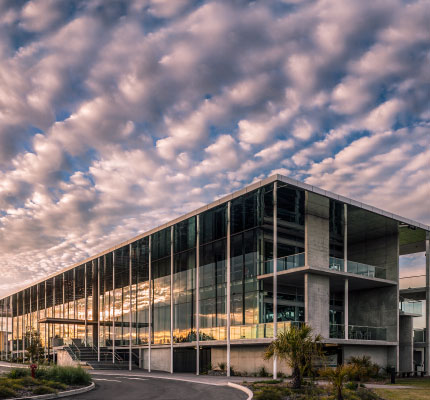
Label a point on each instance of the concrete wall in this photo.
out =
(64, 359)
(378, 354)
(247, 359)
(378, 245)
(160, 359)
(317, 238)
(375, 307)
(317, 303)
(406, 344)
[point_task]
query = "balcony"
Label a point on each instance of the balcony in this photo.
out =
(357, 268)
(357, 332)
(285, 263)
(411, 307)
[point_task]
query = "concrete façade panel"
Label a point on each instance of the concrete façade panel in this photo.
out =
(378, 354)
(160, 359)
(249, 359)
(376, 307)
(317, 303)
(317, 212)
(406, 344)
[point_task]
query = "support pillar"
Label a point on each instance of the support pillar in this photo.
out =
(150, 308)
(197, 291)
(85, 306)
(113, 307)
(98, 309)
(275, 273)
(427, 338)
(130, 351)
(346, 309)
(228, 287)
(171, 299)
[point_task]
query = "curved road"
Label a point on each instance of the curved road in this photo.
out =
(118, 387)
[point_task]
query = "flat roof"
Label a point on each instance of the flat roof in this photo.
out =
(225, 199)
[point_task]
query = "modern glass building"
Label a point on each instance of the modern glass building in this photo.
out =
(217, 284)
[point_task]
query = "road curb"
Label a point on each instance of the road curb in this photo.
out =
(60, 394)
(243, 389)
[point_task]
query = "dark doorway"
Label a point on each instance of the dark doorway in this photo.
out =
(184, 360)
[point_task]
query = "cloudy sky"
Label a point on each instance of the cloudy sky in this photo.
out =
(116, 116)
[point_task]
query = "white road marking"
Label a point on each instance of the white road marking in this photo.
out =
(109, 380)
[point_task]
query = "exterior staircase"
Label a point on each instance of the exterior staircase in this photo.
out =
(89, 355)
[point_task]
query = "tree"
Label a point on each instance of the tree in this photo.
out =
(337, 377)
(33, 345)
(299, 348)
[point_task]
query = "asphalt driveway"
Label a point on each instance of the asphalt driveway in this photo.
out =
(117, 387)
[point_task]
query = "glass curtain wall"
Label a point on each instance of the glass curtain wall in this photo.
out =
(184, 269)
(140, 295)
(122, 298)
(160, 264)
(212, 274)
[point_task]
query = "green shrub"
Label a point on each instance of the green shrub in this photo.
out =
(16, 373)
(364, 368)
(270, 381)
(263, 372)
(268, 393)
(43, 389)
(66, 375)
(6, 392)
(351, 385)
(55, 385)
(222, 366)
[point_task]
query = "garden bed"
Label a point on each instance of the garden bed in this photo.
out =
(48, 380)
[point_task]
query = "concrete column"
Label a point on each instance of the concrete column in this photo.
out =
(130, 351)
(86, 305)
(74, 300)
(317, 287)
(406, 344)
(150, 309)
(23, 322)
(317, 303)
(345, 237)
(228, 286)
(275, 273)
(317, 213)
(346, 309)
(113, 307)
(7, 325)
(64, 305)
(427, 338)
(171, 299)
(98, 309)
(2, 329)
(197, 289)
(46, 325)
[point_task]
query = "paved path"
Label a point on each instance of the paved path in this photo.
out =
(123, 387)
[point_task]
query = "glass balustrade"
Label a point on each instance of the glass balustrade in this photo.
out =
(367, 332)
(366, 270)
(419, 335)
(337, 331)
(336, 264)
(411, 307)
(286, 263)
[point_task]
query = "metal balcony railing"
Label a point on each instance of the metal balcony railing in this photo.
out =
(337, 331)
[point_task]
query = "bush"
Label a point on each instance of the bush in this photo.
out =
(6, 392)
(222, 366)
(364, 368)
(351, 385)
(263, 372)
(16, 373)
(55, 385)
(268, 393)
(66, 375)
(43, 389)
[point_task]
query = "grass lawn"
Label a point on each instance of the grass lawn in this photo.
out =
(419, 391)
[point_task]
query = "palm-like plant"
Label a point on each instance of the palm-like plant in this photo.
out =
(337, 377)
(298, 347)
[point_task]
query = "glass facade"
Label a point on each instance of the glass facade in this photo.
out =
(151, 284)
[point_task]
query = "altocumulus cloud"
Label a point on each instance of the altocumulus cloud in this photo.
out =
(118, 116)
